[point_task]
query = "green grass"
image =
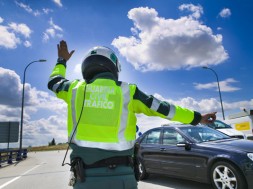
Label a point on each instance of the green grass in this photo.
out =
(48, 148)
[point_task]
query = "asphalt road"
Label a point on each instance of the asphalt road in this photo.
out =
(43, 170)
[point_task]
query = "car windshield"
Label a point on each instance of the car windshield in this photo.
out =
(203, 134)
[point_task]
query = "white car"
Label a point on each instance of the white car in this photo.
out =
(227, 129)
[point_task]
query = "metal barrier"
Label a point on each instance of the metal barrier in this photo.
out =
(10, 155)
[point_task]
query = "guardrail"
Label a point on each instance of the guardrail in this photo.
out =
(10, 155)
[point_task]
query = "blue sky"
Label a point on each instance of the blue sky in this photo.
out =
(162, 46)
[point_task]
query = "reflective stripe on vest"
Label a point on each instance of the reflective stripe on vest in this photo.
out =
(57, 84)
(123, 144)
(155, 104)
(172, 111)
(124, 114)
(73, 111)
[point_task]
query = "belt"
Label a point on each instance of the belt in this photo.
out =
(112, 162)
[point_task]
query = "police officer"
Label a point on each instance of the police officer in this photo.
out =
(102, 121)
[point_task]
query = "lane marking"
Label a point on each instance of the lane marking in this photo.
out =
(16, 178)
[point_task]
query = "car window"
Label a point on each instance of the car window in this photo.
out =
(203, 134)
(152, 137)
(221, 125)
(171, 137)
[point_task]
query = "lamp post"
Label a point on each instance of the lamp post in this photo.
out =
(205, 67)
(22, 106)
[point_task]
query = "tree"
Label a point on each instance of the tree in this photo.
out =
(52, 143)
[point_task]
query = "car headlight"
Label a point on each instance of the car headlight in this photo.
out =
(250, 155)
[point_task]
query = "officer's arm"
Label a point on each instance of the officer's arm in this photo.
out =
(151, 106)
(57, 82)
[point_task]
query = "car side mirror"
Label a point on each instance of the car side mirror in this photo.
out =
(186, 145)
(137, 145)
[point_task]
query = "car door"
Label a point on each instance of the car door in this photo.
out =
(150, 150)
(176, 160)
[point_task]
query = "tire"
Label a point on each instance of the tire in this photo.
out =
(225, 175)
(142, 171)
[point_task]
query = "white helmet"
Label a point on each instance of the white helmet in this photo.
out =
(100, 59)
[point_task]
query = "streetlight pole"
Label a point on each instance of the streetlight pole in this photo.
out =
(205, 67)
(22, 106)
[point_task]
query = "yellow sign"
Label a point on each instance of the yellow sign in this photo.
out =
(242, 126)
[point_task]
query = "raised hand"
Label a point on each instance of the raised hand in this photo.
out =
(63, 50)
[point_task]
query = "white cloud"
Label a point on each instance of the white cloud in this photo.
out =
(21, 28)
(54, 26)
(197, 11)
(58, 2)
(36, 13)
(28, 9)
(24, 6)
(45, 37)
(225, 86)
(42, 131)
(77, 68)
(8, 39)
(166, 44)
(27, 44)
(11, 96)
(224, 13)
(47, 11)
(53, 31)
(145, 123)
(8, 113)
(11, 35)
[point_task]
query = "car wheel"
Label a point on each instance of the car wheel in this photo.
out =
(142, 171)
(224, 175)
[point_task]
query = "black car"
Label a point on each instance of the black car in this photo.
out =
(196, 153)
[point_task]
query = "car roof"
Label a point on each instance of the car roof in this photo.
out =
(174, 126)
(179, 125)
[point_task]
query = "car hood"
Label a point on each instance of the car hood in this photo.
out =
(230, 132)
(232, 144)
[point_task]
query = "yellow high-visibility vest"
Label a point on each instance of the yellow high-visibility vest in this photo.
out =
(108, 118)
(106, 121)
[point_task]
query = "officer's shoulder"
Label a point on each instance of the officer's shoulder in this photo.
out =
(126, 83)
(132, 85)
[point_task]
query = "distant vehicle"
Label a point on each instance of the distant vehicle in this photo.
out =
(227, 129)
(242, 121)
(196, 153)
